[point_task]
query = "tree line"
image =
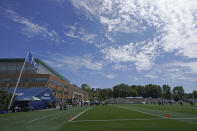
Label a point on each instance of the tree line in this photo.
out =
(146, 91)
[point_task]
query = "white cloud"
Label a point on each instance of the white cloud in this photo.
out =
(120, 54)
(81, 34)
(89, 38)
(71, 34)
(142, 57)
(190, 66)
(174, 22)
(105, 74)
(110, 76)
(88, 7)
(176, 72)
(109, 14)
(100, 45)
(123, 24)
(31, 29)
(135, 79)
(151, 76)
(75, 63)
(119, 66)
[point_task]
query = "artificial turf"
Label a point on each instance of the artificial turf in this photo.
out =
(49, 120)
(135, 118)
(104, 118)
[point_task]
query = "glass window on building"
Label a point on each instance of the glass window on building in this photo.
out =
(39, 79)
(66, 86)
(10, 67)
(14, 80)
(12, 64)
(59, 91)
(58, 99)
(29, 67)
(21, 80)
(70, 94)
(5, 79)
(66, 100)
(53, 82)
(19, 67)
(57, 83)
(3, 66)
(52, 90)
(24, 80)
(60, 84)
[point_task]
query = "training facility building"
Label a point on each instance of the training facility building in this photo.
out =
(43, 77)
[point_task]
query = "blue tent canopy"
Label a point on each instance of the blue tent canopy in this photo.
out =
(37, 97)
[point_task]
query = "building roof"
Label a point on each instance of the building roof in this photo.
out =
(39, 61)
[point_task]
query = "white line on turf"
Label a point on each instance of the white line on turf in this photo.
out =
(44, 117)
(81, 113)
(184, 118)
(118, 120)
(58, 116)
(134, 119)
(142, 112)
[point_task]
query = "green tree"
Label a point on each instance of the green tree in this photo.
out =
(153, 91)
(105, 94)
(178, 93)
(120, 90)
(90, 91)
(75, 85)
(132, 92)
(194, 94)
(167, 94)
(5, 98)
(85, 87)
(116, 91)
(140, 90)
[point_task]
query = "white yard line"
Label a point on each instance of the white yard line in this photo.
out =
(184, 118)
(111, 120)
(44, 117)
(119, 120)
(81, 113)
(142, 112)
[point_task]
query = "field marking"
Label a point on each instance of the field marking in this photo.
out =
(81, 113)
(58, 115)
(141, 112)
(148, 119)
(44, 117)
(194, 118)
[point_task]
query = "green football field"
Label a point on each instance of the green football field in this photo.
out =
(105, 118)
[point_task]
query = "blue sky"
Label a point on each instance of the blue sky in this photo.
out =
(106, 42)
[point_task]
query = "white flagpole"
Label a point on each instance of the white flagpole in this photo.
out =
(18, 81)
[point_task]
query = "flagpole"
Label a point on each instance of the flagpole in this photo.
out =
(18, 80)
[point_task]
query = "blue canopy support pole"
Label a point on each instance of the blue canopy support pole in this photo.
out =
(18, 80)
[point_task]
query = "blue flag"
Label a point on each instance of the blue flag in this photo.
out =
(32, 61)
